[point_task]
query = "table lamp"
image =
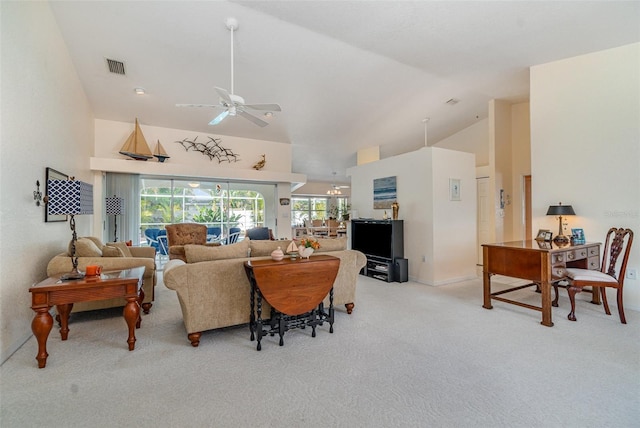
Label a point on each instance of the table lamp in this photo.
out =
(70, 197)
(115, 206)
(560, 210)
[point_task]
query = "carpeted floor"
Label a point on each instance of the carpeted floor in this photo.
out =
(410, 355)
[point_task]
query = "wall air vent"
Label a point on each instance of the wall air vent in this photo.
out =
(115, 66)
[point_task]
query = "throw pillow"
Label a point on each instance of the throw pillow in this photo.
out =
(122, 247)
(264, 248)
(109, 251)
(85, 247)
(202, 253)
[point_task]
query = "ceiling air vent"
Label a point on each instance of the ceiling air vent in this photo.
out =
(452, 101)
(116, 67)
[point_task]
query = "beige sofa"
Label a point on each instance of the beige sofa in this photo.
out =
(213, 289)
(111, 256)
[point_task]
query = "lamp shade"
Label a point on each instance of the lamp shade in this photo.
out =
(69, 197)
(560, 210)
(114, 205)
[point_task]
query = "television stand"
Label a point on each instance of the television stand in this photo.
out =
(379, 268)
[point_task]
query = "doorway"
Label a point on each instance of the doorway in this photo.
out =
(527, 207)
(484, 214)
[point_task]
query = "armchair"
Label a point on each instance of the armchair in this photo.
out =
(181, 234)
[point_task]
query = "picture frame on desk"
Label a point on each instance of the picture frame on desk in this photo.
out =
(544, 235)
(577, 236)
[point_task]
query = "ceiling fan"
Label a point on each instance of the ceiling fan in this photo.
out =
(233, 104)
(335, 189)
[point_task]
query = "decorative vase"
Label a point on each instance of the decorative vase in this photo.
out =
(277, 254)
(305, 252)
(395, 207)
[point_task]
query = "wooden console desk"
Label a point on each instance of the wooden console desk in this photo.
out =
(295, 290)
(542, 263)
(63, 294)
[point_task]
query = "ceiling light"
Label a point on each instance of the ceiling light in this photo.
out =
(139, 91)
(334, 192)
(194, 184)
(268, 114)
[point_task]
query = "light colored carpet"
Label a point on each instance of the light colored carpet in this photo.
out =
(410, 355)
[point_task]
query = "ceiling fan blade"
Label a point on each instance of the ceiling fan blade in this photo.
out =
(269, 107)
(197, 105)
(224, 95)
(219, 118)
(252, 118)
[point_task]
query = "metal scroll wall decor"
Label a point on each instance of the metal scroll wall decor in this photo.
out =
(211, 148)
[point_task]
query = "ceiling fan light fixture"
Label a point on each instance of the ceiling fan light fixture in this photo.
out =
(139, 91)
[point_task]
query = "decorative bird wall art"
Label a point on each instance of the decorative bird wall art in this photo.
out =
(211, 148)
(260, 164)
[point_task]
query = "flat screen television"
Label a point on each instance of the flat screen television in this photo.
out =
(376, 238)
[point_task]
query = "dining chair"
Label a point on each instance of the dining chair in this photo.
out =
(234, 234)
(214, 234)
(611, 274)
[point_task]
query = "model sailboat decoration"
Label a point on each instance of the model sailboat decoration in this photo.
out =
(160, 153)
(136, 146)
(292, 249)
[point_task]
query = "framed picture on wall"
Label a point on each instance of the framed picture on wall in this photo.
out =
(384, 192)
(454, 189)
(52, 174)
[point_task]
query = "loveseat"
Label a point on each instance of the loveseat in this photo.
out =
(213, 289)
(111, 256)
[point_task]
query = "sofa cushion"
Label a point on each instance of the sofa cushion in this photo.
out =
(203, 253)
(264, 248)
(86, 247)
(109, 251)
(329, 244)
(126, 252)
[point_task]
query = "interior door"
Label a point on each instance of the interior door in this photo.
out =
(484, 213)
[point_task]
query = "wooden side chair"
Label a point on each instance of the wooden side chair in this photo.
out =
(612, 271)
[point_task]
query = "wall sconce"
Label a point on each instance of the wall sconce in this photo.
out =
(37, 194)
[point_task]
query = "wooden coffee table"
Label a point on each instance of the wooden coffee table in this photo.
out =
(63, 294)
(295, 289)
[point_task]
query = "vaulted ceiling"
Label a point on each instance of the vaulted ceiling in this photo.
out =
(347, 74)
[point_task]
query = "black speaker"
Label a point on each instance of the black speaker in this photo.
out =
(401, 270)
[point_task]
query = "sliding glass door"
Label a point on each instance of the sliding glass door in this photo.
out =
(217, 204)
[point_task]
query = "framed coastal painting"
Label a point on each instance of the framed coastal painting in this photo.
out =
(52, 174)
(384, 192)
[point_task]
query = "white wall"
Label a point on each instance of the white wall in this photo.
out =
(473, 139)
(46, 122)
(442, 231)
(585, 145)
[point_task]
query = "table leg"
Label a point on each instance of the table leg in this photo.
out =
(131, 314)
(63, 313)
(259, 323)
(486, 289)
(546, 304)
(140, 299)
(41, 326)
